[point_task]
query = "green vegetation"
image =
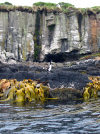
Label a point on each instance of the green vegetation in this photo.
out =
(37, 40)
(6, 3)
(96, 9)
(8, 8)
(45, 4)
(90, 56)
(37, 51)
(49, 7)
(64, 5)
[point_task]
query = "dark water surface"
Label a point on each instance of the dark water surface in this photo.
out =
(70, 118)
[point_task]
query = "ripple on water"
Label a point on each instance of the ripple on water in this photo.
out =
(50, 119)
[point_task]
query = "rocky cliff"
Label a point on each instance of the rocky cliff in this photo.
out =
(33, 35)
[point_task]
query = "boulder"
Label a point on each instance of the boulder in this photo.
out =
(65, 94)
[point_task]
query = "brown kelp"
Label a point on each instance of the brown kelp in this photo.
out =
(23, 91)
(92, 89)
(35, 91)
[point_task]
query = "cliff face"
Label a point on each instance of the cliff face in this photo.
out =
(32, 36)
(16, 33)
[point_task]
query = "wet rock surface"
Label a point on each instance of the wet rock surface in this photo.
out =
(65, 94)
(74, 76)
(66, 80)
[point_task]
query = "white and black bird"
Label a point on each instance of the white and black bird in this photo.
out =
(50, 67)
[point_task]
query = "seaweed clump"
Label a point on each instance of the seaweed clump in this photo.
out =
(23, 91)
(92, 89)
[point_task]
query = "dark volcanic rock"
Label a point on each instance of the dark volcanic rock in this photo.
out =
(66, 79)
(66, 83)
(75, 76)
(57, 78)
(89, 67)
(97, 63)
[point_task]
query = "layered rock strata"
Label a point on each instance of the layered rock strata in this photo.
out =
(32, 35)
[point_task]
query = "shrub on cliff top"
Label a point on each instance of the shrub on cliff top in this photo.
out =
(6, 3)
(96, 9)
(64, 5)
(45, 4)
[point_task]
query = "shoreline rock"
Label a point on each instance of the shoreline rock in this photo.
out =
(65, 82)
(57, 77)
